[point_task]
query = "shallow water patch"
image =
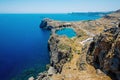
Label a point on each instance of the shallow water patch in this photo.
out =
(69, 32)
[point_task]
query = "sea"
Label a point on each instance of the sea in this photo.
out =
(24, 45)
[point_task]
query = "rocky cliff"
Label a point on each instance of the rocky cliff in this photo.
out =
(52, 24)
(92, 55)
(104, 52)
(60, 53)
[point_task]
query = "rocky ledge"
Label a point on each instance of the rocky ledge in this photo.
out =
(104, 52)
(94, 54)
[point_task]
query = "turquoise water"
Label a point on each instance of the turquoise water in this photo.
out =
(69, 32)
(23, 45)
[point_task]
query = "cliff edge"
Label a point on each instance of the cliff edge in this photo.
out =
(104, 52)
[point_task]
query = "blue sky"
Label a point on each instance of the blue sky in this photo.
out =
(57, 6)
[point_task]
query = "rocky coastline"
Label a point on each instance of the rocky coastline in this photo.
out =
(94, 54)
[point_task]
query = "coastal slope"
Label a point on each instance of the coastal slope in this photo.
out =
(93, 54)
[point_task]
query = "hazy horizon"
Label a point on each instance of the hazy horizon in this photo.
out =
(59, 12)
(55, 6)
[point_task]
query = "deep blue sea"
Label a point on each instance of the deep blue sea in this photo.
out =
(23, 45)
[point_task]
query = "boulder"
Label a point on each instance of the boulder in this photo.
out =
(51, 71)
(31, 78)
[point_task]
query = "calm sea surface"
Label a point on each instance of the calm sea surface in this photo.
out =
(23, 45)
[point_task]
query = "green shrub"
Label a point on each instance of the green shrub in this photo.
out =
(70, 57)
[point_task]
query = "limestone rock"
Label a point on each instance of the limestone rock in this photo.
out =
(98, 71)
(59, 53)
(51, 24)
(51, 71)
(45, 23)
(104, 52)
(31, 78)
(43, 76)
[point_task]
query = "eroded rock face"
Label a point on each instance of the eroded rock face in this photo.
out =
(109, 17)
(45, 24)
(43, 76)
(59, 53)
(52, 24)
(104, 52)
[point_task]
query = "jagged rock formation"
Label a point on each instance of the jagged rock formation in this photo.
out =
(59, 53)
(51, 24)
(104, 52)
(43, 76)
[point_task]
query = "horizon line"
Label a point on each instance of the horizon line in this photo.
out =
(55, 12)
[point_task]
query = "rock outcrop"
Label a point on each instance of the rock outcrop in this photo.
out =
(104, 52)
(59, 53)
(43, 76)
(52, 24)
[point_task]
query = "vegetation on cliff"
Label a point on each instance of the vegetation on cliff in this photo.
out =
(104, 52)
